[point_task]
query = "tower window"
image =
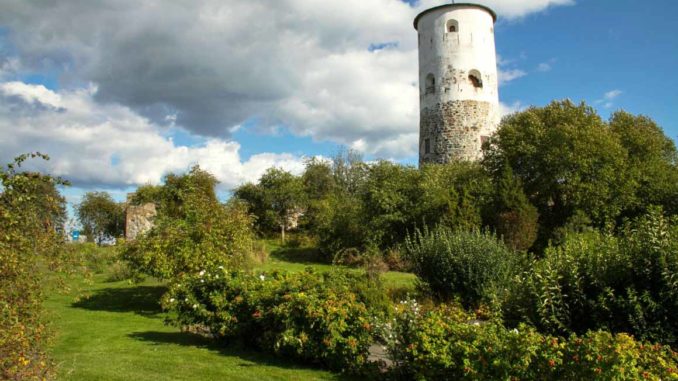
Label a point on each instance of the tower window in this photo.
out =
(430, 84)
(452, 26)
(476, 79)
(427, 146)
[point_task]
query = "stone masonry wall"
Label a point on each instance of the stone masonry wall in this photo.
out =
(139, 220)
(454, 130)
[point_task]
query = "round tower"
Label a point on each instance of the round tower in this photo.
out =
(458, 84)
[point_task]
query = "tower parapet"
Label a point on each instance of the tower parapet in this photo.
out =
(458, 83)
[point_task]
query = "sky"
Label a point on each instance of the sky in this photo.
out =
(121, 92)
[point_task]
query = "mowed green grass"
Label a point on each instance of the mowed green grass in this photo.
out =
(115, 331)
(298, 259)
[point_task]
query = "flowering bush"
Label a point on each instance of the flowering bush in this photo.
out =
(448, 343)
(321, 318)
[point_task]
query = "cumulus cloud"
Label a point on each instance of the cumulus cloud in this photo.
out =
(111, 145)
(209, 66)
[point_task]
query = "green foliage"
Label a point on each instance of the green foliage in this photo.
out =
(100, 216)
(320, 318)
(567, 159)
(569, 162)
(598, 281)
(147, 194)
(653, 162)
(471, 265)
(387, 199)
(453, 195)
(447, 343)
(31, 211)
(516, 220)
(210, 234)
(193, 230)
(274, 201)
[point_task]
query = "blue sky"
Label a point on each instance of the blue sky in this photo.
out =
(119, 96)
(597, 47)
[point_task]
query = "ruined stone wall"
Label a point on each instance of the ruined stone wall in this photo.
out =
(454, 130)
(138, 220)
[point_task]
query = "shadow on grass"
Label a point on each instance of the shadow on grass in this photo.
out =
(250, 358)
(303, 255)
(142, 300)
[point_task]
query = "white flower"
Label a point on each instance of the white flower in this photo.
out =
(195, 306)
(202, 273)
(221, 267)
(216, 276)
(202, 281)
(262, 277)
(186, 300)
(171, 300)
(515, 331)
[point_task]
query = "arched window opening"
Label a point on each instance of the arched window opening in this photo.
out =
(476, 79)
(430, 84)
(452, 26)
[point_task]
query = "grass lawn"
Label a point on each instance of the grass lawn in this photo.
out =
(297, 259)
(116, 332)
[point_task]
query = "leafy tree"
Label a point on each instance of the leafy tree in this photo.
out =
(515, 218)
(100, 216)
(652, 160)
(193, 230)
(388, 198)
(198, 184)
(255, 199)
(284, 196)
(454, 195)
(349, 171)
(318, 179)
(567, 159)
(31, 211)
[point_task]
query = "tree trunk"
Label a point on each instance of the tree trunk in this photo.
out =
(282, 231)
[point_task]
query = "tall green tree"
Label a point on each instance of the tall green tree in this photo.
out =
(652, 161)
(567, 159)
(454, 194)
(284, 196)
(100, 216)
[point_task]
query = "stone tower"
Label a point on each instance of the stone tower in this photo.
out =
(458, 85)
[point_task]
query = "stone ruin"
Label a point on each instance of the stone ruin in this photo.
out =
(138, 219)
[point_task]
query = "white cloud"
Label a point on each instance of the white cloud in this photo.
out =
(612, 94)
(213, 64)
(508, 109)
(509, 75)
(544, 67)
(608, 98)
(111, 145)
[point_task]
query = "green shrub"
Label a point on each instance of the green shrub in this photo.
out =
(32, 214)
(447, 343)
(597, 281)
(319, 318)
(471, 265)
(209, 234)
